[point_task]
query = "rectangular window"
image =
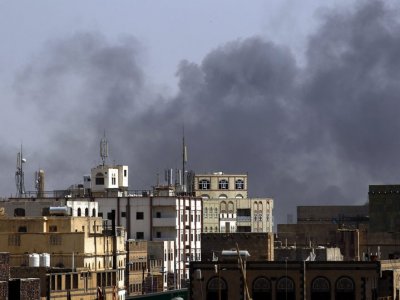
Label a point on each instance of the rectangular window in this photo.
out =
(55, 239)
(99, 180)
(158, 234)
(53, 282)
(140, 235)
(75, 281)
(68, 282)
(22, 229)
(59, 282)
(125, 173)
(243, 212)
(139, 215)
(123, 214)
(158, 214)
(52, 228)
(243, 229)
(14, 240)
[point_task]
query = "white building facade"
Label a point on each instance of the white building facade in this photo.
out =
(165, 218)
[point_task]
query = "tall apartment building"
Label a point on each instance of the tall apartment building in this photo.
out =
(175, 220)
(226, 206)
(78, 255)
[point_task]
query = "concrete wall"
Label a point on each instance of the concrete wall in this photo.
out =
(259, 245)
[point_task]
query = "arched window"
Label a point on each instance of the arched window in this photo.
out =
(216, 228)
(205, 212)
(223, 207)
(205, 229)
(223, 196)
(320, 288)
(262, 289)
(204, 184)
(230, 207)
(345, 289)
(99, 179)
(79, 212)
(239, 196)
(217, 286)
(93, 212)
(223, 184)
(205, 196)
(211, 229)
(86, 212)
(239, 184)
(285, 289)
(215, 212)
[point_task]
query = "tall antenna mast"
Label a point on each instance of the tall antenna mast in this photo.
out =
(184, 160)
(19, 174)
(104, 148)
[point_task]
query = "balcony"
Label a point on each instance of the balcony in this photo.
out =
(243, 219)
(164, 222)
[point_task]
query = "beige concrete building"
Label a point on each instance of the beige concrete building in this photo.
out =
(219, 185)
(226, 206)
(75, 248)
(237, 215)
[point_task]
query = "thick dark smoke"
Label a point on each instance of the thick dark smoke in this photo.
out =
(316, 134)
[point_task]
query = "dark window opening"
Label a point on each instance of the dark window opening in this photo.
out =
(19, 212)
(22, 229)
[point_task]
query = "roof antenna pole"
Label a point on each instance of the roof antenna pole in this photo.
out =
(104, 148)
(19, 174)
(184, 159)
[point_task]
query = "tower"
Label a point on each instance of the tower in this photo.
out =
(19, 174)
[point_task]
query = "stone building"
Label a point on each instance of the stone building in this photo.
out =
(71, 255)
(291, 280)
(226, 206)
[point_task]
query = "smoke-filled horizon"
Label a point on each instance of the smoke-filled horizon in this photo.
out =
(310, 133)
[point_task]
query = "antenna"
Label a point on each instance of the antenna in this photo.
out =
(19, 174)
(104, 148)
(39, 183)
(184, 159)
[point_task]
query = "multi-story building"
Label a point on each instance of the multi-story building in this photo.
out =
(289, 280)
(69, 249)
(146, 265)
(173, 219)
(219, 185)
(136, 266)
(108, 180)
(226, 206)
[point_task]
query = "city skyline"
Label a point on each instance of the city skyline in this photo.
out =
(302, 98)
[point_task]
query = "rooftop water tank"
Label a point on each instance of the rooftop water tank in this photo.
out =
(34, 260)
(44, 260)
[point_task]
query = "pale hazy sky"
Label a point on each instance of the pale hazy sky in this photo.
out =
(301, 95)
